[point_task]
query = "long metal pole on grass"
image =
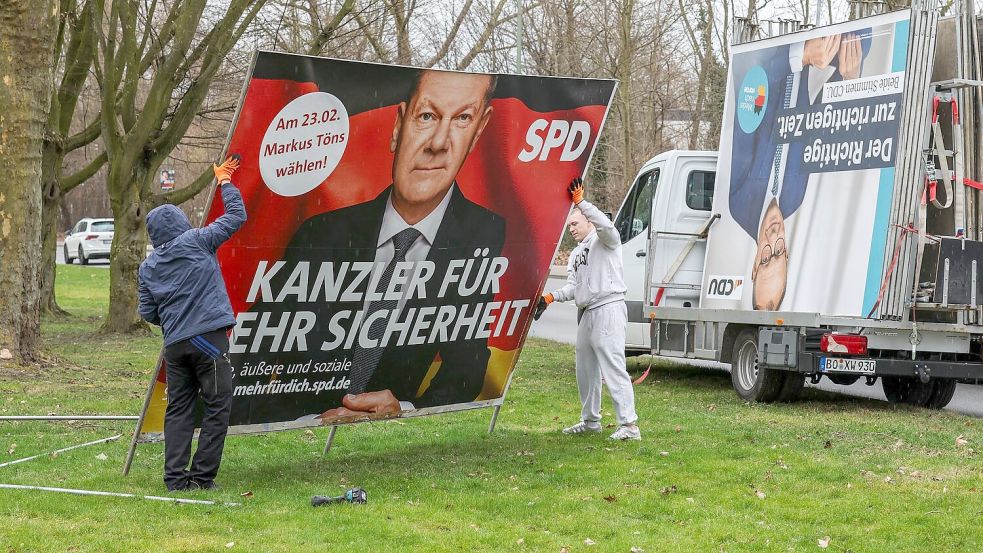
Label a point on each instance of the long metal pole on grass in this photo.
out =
(117, 494)
(94, 442)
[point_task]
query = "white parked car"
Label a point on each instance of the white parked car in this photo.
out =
(89, 239)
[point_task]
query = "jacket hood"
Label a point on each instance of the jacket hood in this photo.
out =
(165, 223)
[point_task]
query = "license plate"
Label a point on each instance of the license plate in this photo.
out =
(839, 365)
(107, 242)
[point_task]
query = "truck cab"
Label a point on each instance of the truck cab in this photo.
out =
(660, 220)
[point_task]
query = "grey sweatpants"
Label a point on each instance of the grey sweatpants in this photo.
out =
(601, 353)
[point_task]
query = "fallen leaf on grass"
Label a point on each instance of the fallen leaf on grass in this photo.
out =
(668, 490)
(781, 464)
(888, 479)
(711, 407)
(664, 453)
(610, 498)
(564, 550)
(5, 354)
(589, 541)
(760, 494)
(10, 450)
(246, 494)
(520, 541)
(637, 550)
(690, 500)
(823, 542)
(961, 441)
(828, 444)
(230, 545)
(679, 428)
(102, 457)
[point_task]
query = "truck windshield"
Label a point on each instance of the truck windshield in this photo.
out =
(636, 213)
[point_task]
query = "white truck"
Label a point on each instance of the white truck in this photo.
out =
(837, 233)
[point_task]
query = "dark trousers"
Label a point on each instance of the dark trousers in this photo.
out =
(196, 366)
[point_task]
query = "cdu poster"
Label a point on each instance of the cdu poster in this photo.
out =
(806, 169)
(401, 223)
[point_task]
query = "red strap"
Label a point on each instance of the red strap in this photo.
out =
(930, 192)
(955, 111)
(935, 109)
(972, 183)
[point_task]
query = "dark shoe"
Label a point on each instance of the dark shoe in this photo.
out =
(199, 485)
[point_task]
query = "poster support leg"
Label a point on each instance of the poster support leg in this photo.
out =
(494, 419)
(143, 414)
(327, 444)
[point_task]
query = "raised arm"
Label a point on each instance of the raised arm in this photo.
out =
(606, 233)
(221, 229)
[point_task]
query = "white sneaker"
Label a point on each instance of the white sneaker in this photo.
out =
(627, 432)
(583, 427)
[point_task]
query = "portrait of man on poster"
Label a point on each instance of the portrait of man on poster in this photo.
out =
(422, 216)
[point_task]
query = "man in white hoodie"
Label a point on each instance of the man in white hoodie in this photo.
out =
(596, 283)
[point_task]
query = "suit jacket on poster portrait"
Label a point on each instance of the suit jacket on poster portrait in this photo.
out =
(351, 234)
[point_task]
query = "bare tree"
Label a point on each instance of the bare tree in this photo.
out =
(73, 55)
(27, 37)
(177, 49)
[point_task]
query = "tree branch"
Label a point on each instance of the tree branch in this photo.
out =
(66, 184)
(181, 195)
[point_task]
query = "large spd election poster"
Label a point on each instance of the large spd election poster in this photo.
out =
(806, 169)
(401, 223)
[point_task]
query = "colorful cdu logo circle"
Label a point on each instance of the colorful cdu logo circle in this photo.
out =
(752, 99)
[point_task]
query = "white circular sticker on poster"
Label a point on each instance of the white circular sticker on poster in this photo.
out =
(304, 144)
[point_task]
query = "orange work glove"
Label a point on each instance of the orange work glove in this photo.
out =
(223, 173)
(577, 190)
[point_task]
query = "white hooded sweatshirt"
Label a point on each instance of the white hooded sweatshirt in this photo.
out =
(595, 270)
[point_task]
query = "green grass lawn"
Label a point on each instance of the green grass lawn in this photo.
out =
(712, 473)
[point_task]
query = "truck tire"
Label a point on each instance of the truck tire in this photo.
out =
(64, 252)
(791, 387)
(902, 389)
(82, 259)
(942, 395)
(895, 388)
(751, 382)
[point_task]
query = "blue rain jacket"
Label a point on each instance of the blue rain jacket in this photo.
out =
(181, 285)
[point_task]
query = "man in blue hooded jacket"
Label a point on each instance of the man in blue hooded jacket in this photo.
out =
(181, 289)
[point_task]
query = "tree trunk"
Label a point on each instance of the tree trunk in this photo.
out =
(27, 32)
(50, 207)
(128, 251)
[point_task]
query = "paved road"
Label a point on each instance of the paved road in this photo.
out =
(60, 258)
(560, 323)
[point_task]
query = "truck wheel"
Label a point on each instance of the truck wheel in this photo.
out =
(82, 259)
(901, 389)
(791, 388)
(942, 395)
(64, 251)
(751, 382)
(895, 388)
